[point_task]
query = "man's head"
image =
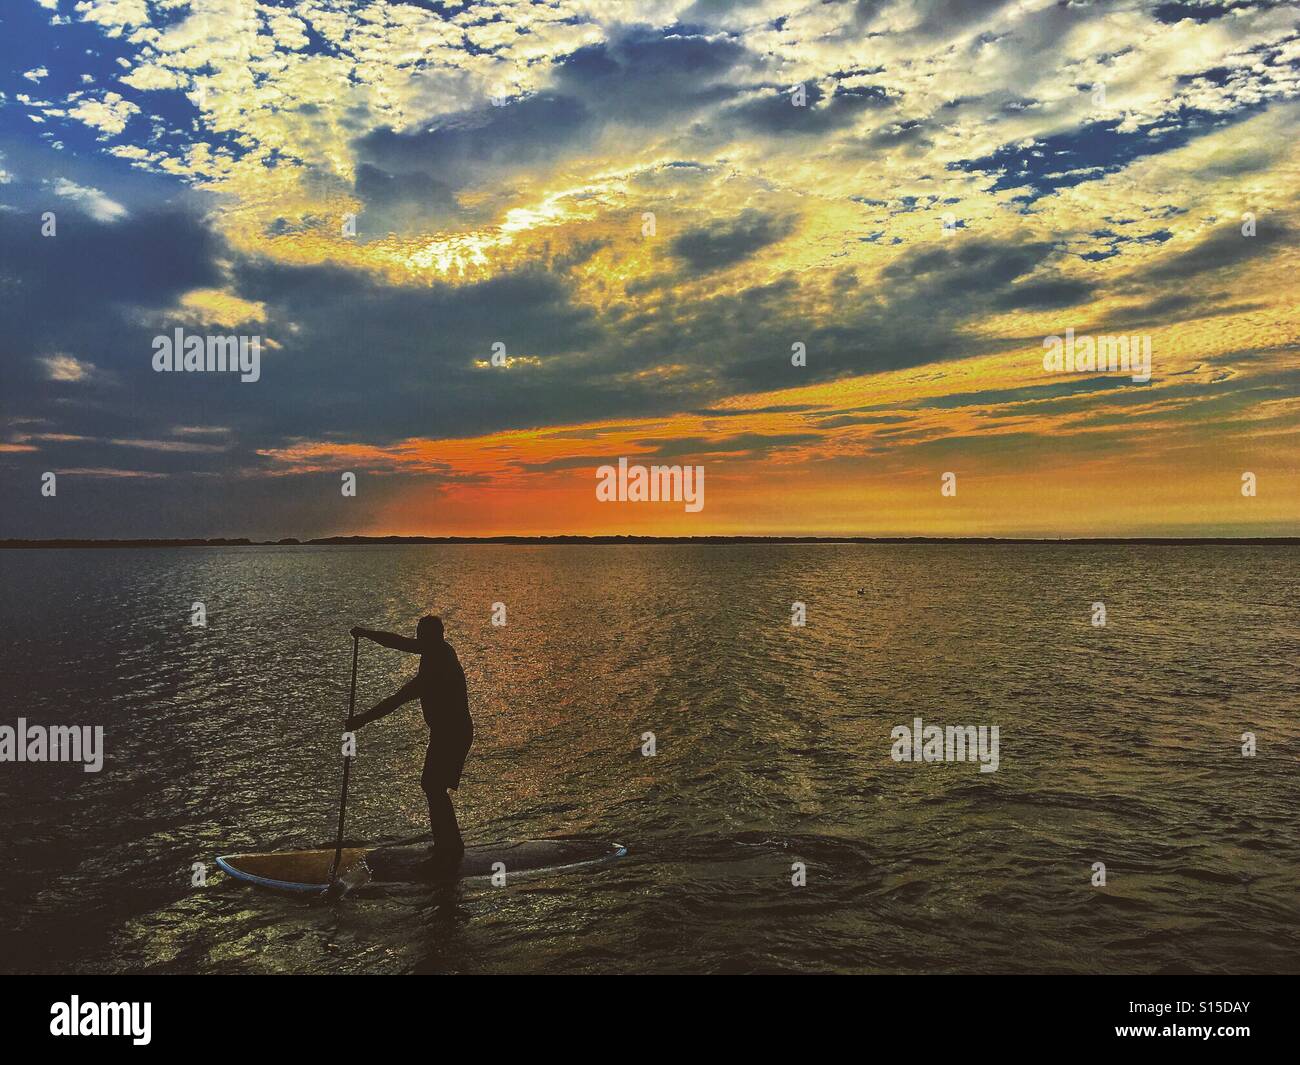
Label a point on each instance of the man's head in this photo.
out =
(429, 630)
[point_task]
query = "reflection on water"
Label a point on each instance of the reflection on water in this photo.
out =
(1118, 744)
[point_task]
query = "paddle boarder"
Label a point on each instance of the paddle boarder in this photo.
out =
(440, 687)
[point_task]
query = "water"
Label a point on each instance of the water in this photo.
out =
(1118, 744)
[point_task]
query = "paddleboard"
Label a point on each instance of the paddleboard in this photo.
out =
(308, 871)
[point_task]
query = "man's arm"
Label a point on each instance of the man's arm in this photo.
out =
(390, 639)
(408, 691)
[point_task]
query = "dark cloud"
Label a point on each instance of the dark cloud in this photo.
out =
(1177, 306)
(521, 134)
(713, 247)
(386, 362)
(960, 265)
(1044, 295)
(686, 447)
(918, 312)
(945, 18)
(82, 292)
(1206, 10)
(565, 462)
(638, 77)
(774, 112)
(739, 412)
(865, 11)
(382, 188)
(841, 420)
(746, 443)
(642, 75)
(144, 260)
(898, 134)
(714, 9)
(1029, 393)
(1226, 247)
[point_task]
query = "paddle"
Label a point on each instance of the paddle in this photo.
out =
(347, 768)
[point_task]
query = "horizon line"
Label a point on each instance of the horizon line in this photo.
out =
(17, 543)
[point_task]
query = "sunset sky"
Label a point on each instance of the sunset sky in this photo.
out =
(965, 179)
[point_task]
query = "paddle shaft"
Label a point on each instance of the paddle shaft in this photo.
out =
(347, 768)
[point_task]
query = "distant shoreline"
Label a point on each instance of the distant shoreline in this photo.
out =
(373, 541)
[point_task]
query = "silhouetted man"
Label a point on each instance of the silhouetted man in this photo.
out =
(440, 687)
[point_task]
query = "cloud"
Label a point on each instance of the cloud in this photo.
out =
(114, 15)
(66, 368)
(151, 76)
(1062, 160)
(1204, 10)
(85, 289)
(1226, 247)
(93, 201)
(240, 139)
(641, 76)
(1047, 294)
(715, 246)
(752, 444)
(470, 148)
(948, 18)
(109, 114)
(772, 111)
(349, 363)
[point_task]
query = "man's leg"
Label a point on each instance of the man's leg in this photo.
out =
(442, 822)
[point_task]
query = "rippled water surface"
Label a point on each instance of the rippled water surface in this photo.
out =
(1119, 745)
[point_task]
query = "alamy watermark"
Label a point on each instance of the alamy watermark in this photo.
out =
(75, 1017)
(956, 743)
(1104, 354)
(211, 354)
(53, 743)
(653, 484)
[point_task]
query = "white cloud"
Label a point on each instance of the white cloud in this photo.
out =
(95, 203)
(114, 15)
(140, 158)
(152, 76)
(36, 74)
(109, 114)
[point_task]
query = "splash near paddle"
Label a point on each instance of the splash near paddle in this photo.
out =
(308, 871)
